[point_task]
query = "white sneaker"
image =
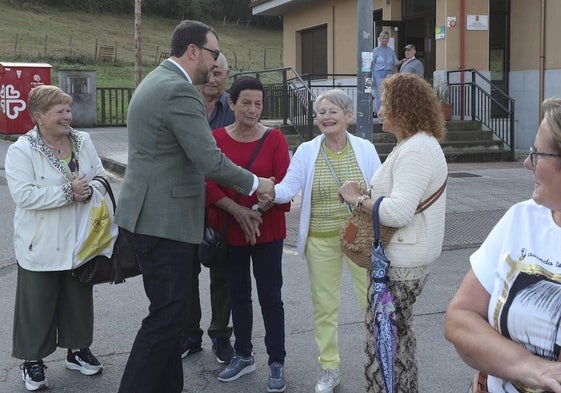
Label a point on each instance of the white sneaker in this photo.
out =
(328, 381)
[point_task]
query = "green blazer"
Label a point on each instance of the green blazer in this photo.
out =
(171, 151)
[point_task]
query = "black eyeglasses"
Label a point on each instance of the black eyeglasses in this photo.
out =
(534, 156)
(215, 53)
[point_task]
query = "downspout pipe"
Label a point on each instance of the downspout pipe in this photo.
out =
(462, 54)
(542, 57)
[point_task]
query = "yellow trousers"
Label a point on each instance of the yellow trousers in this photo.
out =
(325, 267)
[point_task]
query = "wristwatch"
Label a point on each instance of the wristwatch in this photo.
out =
(257, 208)
(361, 199)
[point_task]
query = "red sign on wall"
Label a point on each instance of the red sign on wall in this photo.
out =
(16, 81)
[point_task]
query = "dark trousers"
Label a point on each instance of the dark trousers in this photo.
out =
(219, 304)
(52, 309)
(154, 364)
(267, 270)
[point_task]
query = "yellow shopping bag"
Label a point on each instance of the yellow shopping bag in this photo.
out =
(96, 233)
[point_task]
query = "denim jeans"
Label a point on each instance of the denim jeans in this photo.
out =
(378, 77)
(154, 364)
(267, 270)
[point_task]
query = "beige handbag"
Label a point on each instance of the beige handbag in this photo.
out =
(479, 383)
(357, 234)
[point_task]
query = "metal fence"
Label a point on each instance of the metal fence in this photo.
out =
(112, 106)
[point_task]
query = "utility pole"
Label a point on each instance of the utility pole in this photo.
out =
(364, 118)
(137, 42)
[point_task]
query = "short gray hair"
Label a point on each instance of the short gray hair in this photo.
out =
(337, 97)
(224, 61)
(552, 114)
(384, 34)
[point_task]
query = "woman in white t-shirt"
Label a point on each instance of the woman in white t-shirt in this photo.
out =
(505, 319)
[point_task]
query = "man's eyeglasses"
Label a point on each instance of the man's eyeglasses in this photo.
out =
(534, 156)
(215, 53)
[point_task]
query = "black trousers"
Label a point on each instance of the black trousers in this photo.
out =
(154, 364)
(219, 304)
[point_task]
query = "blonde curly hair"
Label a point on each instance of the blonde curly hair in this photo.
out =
(409, 103)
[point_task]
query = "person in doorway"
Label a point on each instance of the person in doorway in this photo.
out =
(161, 204)
(219, 115)
(383, 62)
(411, 63)
(318, 168)
(504, 319)
(49, 171)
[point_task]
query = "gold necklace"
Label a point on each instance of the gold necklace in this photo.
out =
(56, 151)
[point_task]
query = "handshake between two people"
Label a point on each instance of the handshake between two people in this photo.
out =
(266, 190)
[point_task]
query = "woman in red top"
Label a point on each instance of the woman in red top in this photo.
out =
(255, 232)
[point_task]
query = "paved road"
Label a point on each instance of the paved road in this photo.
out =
(478, 195)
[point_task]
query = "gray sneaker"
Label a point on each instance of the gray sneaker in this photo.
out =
(239, 366)
(328, 381)
(276, 382)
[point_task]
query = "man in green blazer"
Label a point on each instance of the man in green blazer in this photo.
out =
(161, 203)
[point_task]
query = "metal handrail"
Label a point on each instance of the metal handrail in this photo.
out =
(472, 99)
(298, 95)
(296, 100)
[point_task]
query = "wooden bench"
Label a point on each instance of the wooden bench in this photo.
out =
(106, 53)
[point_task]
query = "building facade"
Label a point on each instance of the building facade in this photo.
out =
(511, 42)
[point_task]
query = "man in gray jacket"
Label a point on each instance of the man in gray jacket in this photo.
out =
(411, 63)
(161, 204)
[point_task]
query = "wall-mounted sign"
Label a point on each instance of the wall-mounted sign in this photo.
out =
(451, 22)
(477, 22)
(439, 32)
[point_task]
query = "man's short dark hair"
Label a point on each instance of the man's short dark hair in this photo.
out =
(189, 32)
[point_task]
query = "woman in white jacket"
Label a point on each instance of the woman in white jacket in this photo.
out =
(318, 168)
(48, 172)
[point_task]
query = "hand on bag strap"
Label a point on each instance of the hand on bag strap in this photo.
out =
(105, 183)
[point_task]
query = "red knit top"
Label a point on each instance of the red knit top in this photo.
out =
(272, 160)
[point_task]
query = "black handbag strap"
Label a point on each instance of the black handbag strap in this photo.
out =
(248, 167)
(376, 220)
(105, 183)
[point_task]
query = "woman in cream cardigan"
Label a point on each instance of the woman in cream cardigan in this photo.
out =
(413, 171)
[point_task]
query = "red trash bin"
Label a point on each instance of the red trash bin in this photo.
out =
(16, 80)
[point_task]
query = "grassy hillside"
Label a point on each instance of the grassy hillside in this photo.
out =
(69, 40)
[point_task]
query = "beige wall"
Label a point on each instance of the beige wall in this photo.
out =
(341, 19)
(526, 31)
(476, 47)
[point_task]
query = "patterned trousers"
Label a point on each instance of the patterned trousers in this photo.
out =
(405, 294)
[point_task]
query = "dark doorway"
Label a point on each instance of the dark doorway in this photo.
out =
(499, 51)
(416, 27)
(314, 51)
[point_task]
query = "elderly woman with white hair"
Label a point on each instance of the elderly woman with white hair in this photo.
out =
(384, 60)
(318, 168)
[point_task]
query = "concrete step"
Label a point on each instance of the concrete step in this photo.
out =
(463, 125)
(465, 141)
(463, 145)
